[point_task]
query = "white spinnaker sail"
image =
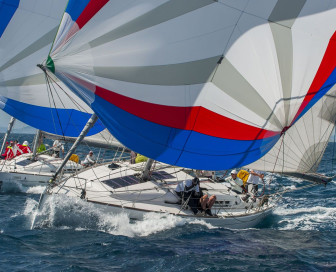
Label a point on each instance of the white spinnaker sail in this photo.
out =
(303, 145)
(27, 30)
(198, 83)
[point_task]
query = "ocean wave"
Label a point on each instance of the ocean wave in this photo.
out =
(306, 218)
(12, 186)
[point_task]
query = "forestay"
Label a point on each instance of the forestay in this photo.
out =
(27, 30)
(198, 83)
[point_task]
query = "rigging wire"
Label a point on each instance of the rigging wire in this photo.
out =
(53, 100)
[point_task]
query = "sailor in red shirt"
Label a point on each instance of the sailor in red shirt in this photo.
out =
(25, 148)
(9, 152)
(17, 149)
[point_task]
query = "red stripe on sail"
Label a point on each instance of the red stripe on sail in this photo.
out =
(198, 119)
(327, 66)
(90, 10)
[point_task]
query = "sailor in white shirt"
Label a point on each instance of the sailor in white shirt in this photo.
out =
(254, 178)
(89, 159)
(57, 147)
(236, 183)
(189, 191)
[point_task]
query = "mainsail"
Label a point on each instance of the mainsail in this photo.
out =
(27, 30)
(198, 83)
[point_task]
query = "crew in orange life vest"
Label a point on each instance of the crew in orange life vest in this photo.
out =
(9, 153)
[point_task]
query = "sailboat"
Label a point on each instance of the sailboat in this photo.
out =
(27, 95)
(199, 84)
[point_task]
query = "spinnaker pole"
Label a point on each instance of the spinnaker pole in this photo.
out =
(85, 130)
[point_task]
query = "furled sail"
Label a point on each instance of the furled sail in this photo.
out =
(27, 30)
(198, 83)
(103, 139)
(303, 146)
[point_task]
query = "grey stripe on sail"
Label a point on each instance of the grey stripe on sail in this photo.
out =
(34, 47)
(230, 81)
(36, 79)
(163, 13)
(281, 21)
(195, 72)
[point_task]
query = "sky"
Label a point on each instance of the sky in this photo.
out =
(4, 120)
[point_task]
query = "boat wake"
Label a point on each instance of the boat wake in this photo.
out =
(59, 211)
(311, 218)
(11, 187)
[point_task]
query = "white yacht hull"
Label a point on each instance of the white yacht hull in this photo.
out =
(25, 178)
(120, 190)
(243, 221)
(29, 173)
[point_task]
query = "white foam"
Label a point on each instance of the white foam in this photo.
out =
(306, 218)
(59, 211)
(203, 223)
(310, 210)
(35, 190)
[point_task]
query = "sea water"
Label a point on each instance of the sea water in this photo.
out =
(72, 235)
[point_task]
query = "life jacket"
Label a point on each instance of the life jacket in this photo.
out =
(243, 175)
(41, 148)
(25, 149)
(9, 154)
(17, 150)
(74, 158)
(140, 158)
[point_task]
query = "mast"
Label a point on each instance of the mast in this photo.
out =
(145, 173)
(37, 138)
(9, 129)
(85, 130)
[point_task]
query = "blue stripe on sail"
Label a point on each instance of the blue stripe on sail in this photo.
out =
(75, 8)
(46, 119)
(7, 10)
(330, 82)
(165, 143)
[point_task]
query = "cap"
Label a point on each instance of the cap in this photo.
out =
(195, 180)
(25, 143)
(234, 172)
(91, 152)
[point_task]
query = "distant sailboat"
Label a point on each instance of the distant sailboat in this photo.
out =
(26, 34)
